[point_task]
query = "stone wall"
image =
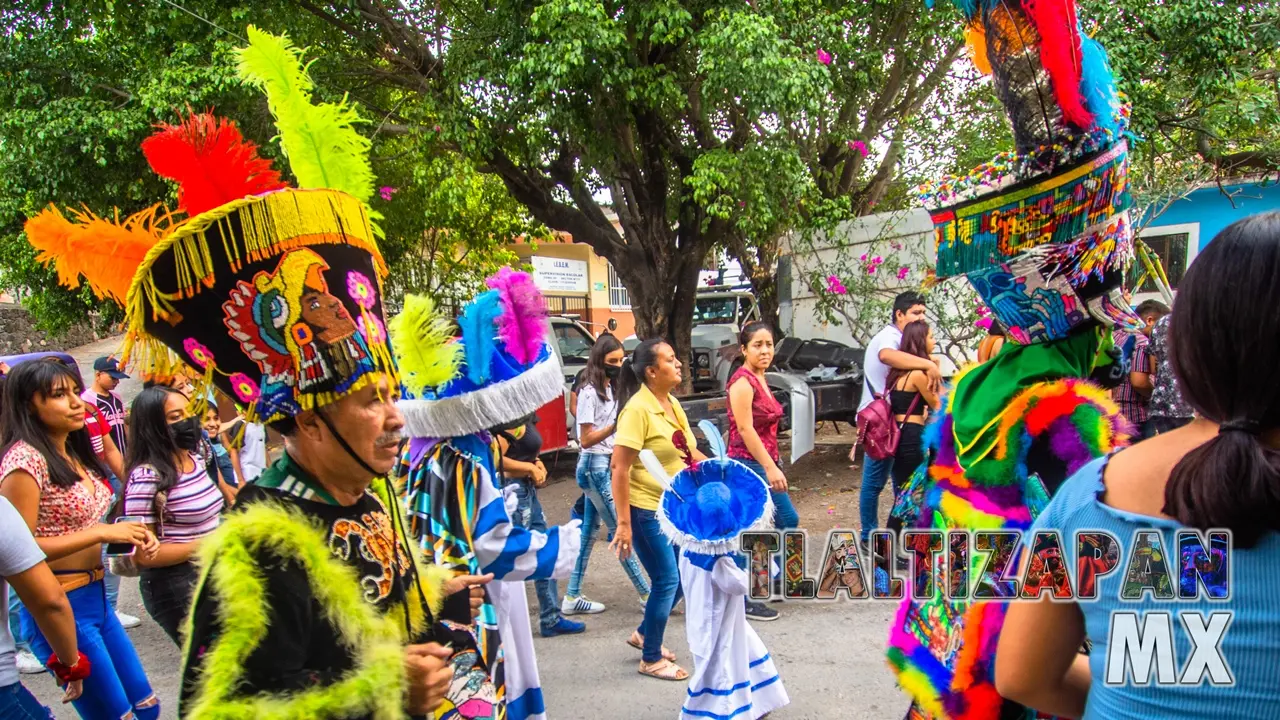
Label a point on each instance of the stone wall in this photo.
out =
(19, 335)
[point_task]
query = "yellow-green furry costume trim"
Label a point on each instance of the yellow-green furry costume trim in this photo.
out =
(229, 561)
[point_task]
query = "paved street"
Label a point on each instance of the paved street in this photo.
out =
(830, 655)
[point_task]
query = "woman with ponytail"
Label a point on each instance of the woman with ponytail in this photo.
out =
(1222, 471)
(596, 413)
(650, 419)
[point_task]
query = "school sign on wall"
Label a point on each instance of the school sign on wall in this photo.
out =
(558, 275)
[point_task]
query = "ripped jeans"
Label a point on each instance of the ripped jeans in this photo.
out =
(117, 686)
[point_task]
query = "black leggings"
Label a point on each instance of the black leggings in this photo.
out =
(906, 461)
(166, 594)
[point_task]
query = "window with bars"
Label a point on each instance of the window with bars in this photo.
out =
(619, 298)
(1172, 251)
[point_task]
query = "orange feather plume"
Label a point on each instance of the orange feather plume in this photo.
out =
(106, 253)
(211, 162)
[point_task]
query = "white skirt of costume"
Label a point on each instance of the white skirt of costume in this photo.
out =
(733, 677)
(520, 664)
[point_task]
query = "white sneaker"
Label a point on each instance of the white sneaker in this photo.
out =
(127, 621)
(580, 606)
(28, 664)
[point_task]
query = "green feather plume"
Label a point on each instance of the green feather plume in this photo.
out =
(423, 343)
(319, 140)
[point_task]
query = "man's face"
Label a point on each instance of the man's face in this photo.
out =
(914, 313)
(325, 313)
(106, 382)
(369, 422)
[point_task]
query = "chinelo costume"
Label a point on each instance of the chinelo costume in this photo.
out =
(457, 389)
(1043, 234)
(274, 294)
(703, 510)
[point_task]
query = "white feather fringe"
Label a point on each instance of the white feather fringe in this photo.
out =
(487, 407)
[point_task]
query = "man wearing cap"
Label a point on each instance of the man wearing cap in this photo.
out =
(102, 393)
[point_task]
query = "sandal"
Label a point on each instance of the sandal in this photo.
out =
(664, 670)
(637, 642)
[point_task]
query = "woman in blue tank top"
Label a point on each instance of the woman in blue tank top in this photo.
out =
(1153, 656)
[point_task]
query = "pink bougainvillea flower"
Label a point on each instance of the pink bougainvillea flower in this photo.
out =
(858, 145)
(386, 191)
(245, 388)
(984, 323)
(877, 260)
(835, 287)
(897, 246)
(862, 257)
(903, 272)
(361, 289)
(824, 57)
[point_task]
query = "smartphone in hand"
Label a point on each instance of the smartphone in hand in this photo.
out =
(122, 549)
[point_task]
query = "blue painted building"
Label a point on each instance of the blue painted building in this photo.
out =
(1179, 233)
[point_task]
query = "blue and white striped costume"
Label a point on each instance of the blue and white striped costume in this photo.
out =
(733, 677)
(462, 520)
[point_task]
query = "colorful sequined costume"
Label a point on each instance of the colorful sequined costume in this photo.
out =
(499, 371)
(274, 294)
(1044, 237)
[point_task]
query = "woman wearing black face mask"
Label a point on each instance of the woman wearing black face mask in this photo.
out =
(597, 415)
(170, 490)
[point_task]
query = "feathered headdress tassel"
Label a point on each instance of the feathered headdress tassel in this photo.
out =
(211, 162)
(423, 341)
(523, 323)
(323, 148)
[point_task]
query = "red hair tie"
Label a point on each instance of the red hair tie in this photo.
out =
(69, 673)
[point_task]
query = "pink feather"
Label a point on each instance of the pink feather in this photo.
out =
(522, 327)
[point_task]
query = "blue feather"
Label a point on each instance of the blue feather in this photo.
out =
(479, 333)
(1098, 85)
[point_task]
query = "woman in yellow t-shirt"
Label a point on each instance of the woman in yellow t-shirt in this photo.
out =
(650, 419)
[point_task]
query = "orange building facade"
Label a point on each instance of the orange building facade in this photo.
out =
(578, 283)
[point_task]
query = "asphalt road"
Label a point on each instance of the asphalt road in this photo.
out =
(830, 655)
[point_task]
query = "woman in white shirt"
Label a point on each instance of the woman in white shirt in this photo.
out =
(597, 414)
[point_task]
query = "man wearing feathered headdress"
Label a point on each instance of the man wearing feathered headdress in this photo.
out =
(1043, 235)
(499, 371)
(311, 601)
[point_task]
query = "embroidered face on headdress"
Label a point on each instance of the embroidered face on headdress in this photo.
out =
(273, 294)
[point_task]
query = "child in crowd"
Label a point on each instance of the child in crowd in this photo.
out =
(703, 510)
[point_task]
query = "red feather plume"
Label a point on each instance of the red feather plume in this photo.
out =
(211, 162)
(1060, 55)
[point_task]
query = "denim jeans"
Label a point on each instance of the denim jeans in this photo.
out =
(117, 684)
(785, 516)
(15, 622)
(594, 479)
(658, 556)
(166, 594)
(529, 515)
(875, 473)
(17, 703)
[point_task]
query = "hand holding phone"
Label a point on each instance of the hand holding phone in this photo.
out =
(125, 536)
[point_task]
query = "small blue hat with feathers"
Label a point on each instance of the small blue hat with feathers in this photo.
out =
(499, 370)
(706, 507)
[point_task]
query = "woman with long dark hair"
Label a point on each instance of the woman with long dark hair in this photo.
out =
(58, 485)
(168, 488)
(650, 419)
(911, 400)
(1220, 471)
(754, 414)
(597, 418)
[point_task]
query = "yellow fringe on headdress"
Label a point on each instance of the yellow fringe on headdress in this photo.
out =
(269, 225)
